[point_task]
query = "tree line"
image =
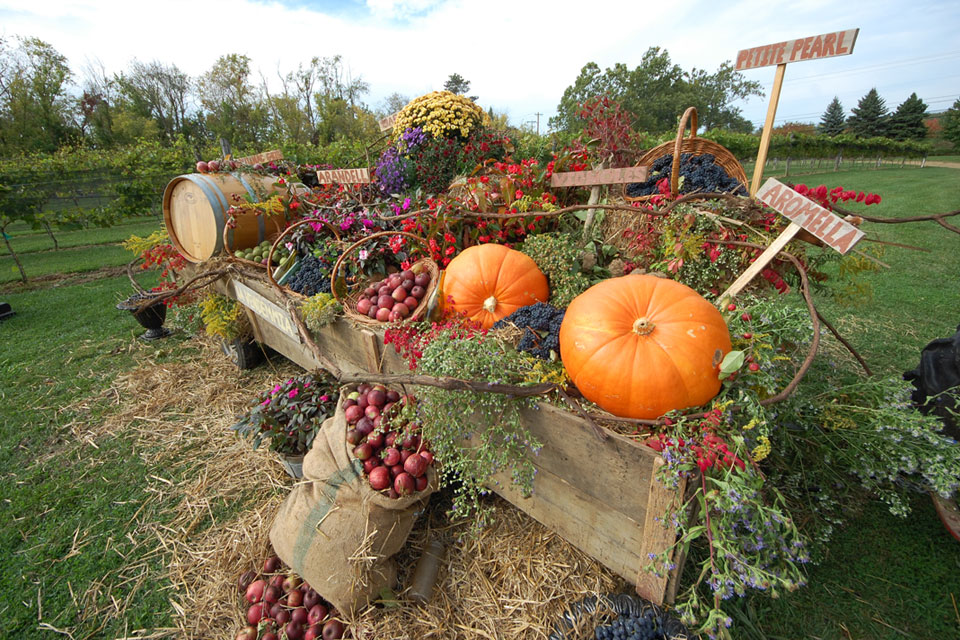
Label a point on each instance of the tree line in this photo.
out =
(871, 118)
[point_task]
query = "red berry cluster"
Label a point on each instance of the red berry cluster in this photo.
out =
(826, 198)
(395, 458)
(410, 341)
(281, 605)
(711, 451)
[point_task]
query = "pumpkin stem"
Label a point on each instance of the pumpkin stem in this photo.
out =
(490, 304)
(643, 326)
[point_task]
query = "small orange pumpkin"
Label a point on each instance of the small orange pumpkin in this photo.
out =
(640, 346)
(488, 282)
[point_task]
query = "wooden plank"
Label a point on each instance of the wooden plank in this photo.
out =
(767, 129)
(759, 264)
(599, 177)
(266, 309)
(386, 124)
(610, 473)
(344, 176)
(588, 524)
(831, 229)
(657, 537)
(826, 45)
(371, 350)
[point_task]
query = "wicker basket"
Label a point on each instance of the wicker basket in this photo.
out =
(354, 291)
(692, 145)
(279, 238)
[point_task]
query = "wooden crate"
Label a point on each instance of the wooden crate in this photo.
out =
(602, 496)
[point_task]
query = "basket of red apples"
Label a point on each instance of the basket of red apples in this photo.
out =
(385, 439)
(394, 297)
(280, 605)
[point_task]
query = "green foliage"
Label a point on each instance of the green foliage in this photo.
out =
(657, 91)
(450, 417)
(559, 257)
(906, 123)
(319, 311)
(801, 145)
(869, 117)
(833, 122)
(223, 317)
(951, 124)
(290, 413)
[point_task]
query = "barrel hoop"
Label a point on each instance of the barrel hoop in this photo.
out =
(261, 224)
(217, 203)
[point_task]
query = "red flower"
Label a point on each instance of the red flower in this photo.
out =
(450, 250)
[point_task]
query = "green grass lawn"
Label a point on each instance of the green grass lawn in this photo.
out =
(26, 240)
(75, 513)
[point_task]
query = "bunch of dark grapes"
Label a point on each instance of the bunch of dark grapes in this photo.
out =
(540, 323)
(628, 627)
(700, 173)
(313, 276)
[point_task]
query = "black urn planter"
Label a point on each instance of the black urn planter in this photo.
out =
(150, 317)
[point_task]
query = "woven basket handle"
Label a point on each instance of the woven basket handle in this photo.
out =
(360, 243)
(276, 242)
(691, 115)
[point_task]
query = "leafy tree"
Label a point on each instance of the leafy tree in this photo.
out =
(35, 105)
(869, 119)
(950, 121)
(833, 122)
(392, 103)
(656, 92)
(457, 84)
(161, 93)
(232, 105)
(906, 123)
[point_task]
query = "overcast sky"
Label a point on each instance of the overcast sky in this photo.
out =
(519, 56)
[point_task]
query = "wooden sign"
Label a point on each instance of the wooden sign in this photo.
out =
(803, 213)
(387, 123)
(262, 158)
(834, 231)
(344, 176)
(827, 45)
(266, 309)
(599, 176)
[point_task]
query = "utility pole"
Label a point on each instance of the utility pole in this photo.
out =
(538, 114)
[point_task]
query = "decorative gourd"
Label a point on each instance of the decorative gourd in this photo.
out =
(640, 346)
(489, 281)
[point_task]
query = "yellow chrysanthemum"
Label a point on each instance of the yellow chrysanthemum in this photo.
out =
(441, 114)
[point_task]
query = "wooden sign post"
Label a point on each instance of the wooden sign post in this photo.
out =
(803, 213)
(599, 177)
(826, 45)
(386, 123)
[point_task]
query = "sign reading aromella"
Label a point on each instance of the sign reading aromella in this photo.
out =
(387, 123)
(833, 230)
(344, 176)
(827, 45)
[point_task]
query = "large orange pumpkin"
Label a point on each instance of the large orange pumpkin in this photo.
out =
(640, 346)
(489, 281)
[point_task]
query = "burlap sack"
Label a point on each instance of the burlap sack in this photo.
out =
(335, 530)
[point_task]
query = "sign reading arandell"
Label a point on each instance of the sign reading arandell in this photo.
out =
(344, 176)
(833, 230)
(827, 45)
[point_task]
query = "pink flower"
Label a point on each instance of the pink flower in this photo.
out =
(276, 389)
(265, 402)
(324, 398)
(293, 393)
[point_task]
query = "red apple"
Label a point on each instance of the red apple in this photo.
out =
(427, 455)
(399, 294)
(422, 280)
(294, 631)
(333, 630)
(415, 465)
(383, 315)
(401, 309)
(406, 274)
(370, 464)
(299, 615)
(385, 302)
(311, 598)
(354, 413)
(404, 484)
(363, 306)
(255, 591)
(202, 167)
(272, 594)
(411, 302)
(375, 439)
(247, 633)
(372, 313)
(421, 483)
(282, 617)
(396, 470)
(380, 478)
(392, 396)
(295, 598)
(313, 632)
(363, 451)
(418, 292)
(256, 612)
(213, 165)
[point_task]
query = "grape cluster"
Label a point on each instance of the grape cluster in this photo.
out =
(540, 323)
(313, 277)
(629, 627)
(700, 173)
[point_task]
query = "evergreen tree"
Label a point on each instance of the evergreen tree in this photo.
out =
(458, 84)
(950, 120)
(870, 116)
(906, 123)
(833, 121)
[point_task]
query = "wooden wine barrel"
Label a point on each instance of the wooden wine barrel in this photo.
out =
(195, 212)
